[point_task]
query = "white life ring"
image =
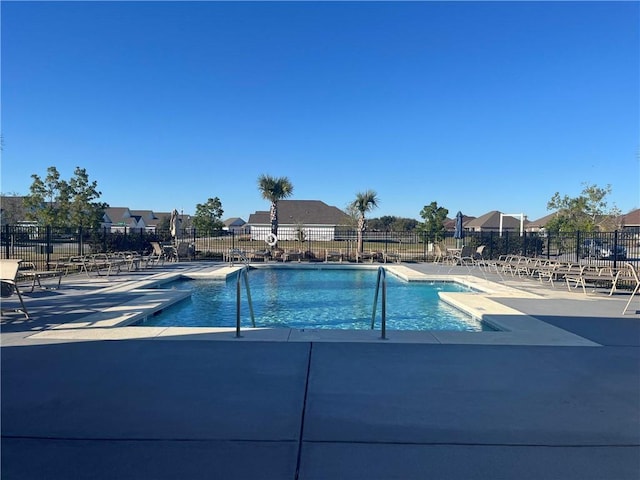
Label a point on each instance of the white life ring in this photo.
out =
(271, 240)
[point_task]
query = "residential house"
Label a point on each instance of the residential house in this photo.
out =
(450, 223)
(631, 221)
(316, 219)
(235, 225)
(148, 218)
(494, 221)
(120, 219)
(540, 224)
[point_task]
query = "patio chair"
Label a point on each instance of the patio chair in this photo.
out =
(184, 251)
(28, 270)
(102, 261)
(444, 254)
(370, 255)
(170, 251)
(8, 284)
(438, 253)
(391, 257)
(630, 276)
(557, 271)
(290, 255)
(333, 255)
(157, 255)
(131, 260)
(466, 255)
(603, 277)
(478, 256)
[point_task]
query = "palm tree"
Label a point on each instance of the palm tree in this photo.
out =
(364, 202)
(274, 189)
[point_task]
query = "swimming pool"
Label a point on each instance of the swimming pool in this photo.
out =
(316, 299)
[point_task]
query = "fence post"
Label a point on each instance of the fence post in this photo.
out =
(548, 245)
(578, 246)
(490, 244)
(48, 245)
(7, 240)
(425, 245)
(615, 249)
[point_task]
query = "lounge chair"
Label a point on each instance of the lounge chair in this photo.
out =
(290, 255)
(391, 257)
(370, 255)
(8, 284)
(265, 255)
(170, 251)
(628, 276)
(131, 260)
(466, 255)
(184, 251)
(333, 255)
(439, 253)
(157, 255)
(449, 255)
(598, 277)
(557, 271)
(102, 261)
(478, 256)
(28, 270)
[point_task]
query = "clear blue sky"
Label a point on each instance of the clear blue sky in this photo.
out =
(476, 105)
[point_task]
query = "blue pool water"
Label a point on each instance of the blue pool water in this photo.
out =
(316, 299)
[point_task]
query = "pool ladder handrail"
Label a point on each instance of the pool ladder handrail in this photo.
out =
(382, 280)
(240, 254)
(243, 272)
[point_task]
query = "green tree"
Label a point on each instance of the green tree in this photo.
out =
(404, 225)
(274, 189)
(364, 203)
(583, 212)
(390, 223)
(13, 209)
(42, 202)
(434, 217)
(164, 224)
(60, 203)
(208, 216)
(84, 209)
(381, 224)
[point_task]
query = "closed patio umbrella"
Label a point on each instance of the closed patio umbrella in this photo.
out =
(458, 234)
(174, 223)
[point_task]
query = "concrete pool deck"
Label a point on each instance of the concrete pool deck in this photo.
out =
(154, 407)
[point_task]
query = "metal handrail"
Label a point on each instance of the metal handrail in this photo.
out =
(238, 252)
(243, 272)
(382, 277)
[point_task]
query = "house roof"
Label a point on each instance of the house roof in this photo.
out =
(542, 221)
(148, 216)
(306, 212)
(450, 223)
(631, 219)
(491, 221)
(116, 214)
(234, 222)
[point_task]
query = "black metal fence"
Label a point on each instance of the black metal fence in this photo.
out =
(42, 245)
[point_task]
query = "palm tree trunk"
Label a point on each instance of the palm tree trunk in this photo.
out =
(361, 223)
(273, 215)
